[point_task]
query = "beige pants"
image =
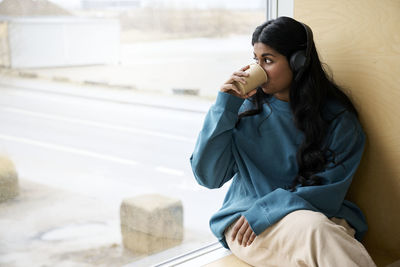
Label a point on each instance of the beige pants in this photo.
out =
(304, 238)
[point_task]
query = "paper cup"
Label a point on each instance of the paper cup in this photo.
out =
(257, 76)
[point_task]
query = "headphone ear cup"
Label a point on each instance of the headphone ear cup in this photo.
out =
(298, 60)
(297, 64)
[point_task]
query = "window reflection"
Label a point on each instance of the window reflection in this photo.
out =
(102, 101)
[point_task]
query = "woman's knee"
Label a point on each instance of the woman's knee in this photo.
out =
(307, 220)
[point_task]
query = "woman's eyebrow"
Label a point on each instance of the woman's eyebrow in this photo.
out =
(265, 55)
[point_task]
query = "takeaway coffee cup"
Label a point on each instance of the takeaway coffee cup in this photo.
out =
(257, 76)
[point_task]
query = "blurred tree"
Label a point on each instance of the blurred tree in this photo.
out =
(31, 8)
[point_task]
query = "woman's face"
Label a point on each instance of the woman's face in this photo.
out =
(278, 70)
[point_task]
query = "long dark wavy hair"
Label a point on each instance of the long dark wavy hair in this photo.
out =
(308, 97)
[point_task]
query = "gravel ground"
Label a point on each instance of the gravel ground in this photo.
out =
(45, 226)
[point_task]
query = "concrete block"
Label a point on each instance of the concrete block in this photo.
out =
(8, 179)
(151, 223)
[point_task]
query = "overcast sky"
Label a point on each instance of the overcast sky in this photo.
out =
(240, 4)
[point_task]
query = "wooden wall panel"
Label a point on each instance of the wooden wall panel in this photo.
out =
(360, 42)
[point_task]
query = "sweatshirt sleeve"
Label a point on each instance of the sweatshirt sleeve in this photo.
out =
(212, 161)
(347, 141)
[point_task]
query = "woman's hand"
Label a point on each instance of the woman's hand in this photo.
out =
(230, 88)
(243, 232)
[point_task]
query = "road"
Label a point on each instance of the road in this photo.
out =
(106, 145)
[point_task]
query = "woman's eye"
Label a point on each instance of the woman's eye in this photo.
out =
(266, 60)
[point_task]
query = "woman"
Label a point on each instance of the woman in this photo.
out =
(291, 148)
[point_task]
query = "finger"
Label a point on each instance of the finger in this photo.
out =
(251, 93)
(229, 86)
(236, 227)
(238, 79)
(241, 74)
(251, 239)
(245, 68)
(246, 236)
(241, 232)
(231, 89)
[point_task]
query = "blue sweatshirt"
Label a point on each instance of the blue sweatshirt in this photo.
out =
(259, 154)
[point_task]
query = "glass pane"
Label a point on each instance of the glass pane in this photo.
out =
(102, 101)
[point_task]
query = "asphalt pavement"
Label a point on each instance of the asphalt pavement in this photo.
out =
(79, 150)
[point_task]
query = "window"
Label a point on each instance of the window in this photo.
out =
(102, 101)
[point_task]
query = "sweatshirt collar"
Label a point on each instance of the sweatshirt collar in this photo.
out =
(279, 104)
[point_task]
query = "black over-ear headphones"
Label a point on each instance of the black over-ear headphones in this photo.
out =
(300, 60)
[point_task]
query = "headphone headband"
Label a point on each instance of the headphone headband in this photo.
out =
(300, 60)
(309, 44)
